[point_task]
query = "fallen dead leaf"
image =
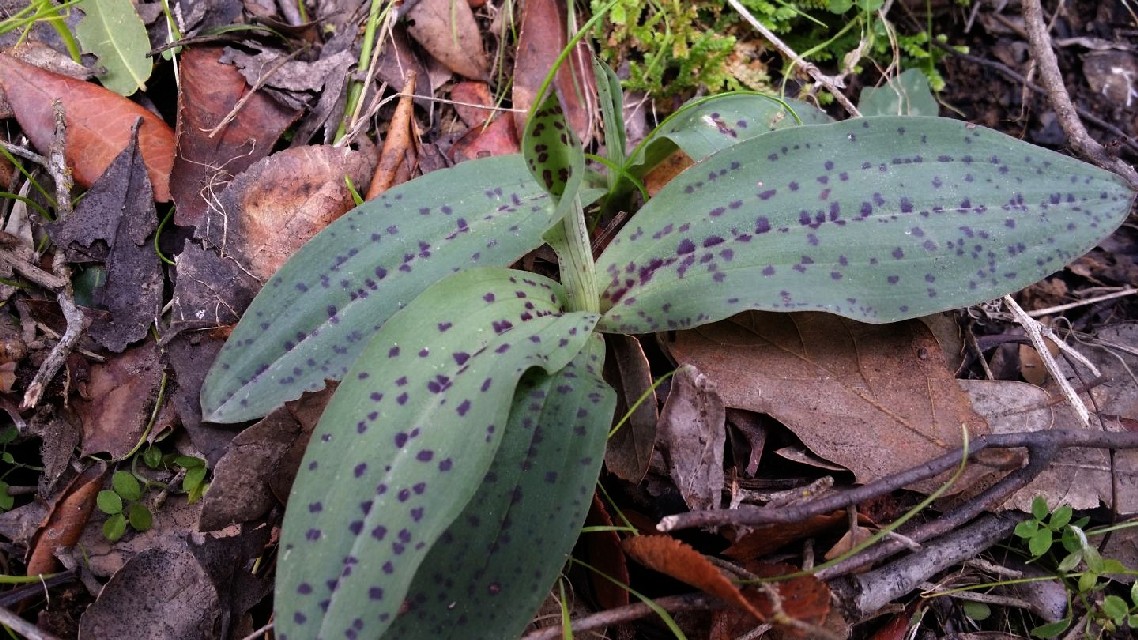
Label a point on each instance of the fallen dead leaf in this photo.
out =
(602, 549)
(205, 164)
(748, 438)
(678, 560)
(543, 36)
(114, 224)
(1080, 478)
(767, 539)
(629, 450)
(279, 203)
(875, 399)
(691, 435)
(65, 520)
(161, 594)
(803, 600)
(496, 139)
(116, 404)
(99, 123)
(448, 31)
(472, 102)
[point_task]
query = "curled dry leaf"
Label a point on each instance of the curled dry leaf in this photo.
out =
(674, 558)
(66, 519)
(448, 31)
(629, 450)
(99, 123)
(117, 400)
(692, 433)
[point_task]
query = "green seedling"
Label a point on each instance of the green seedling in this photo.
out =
(123, 505)
(1081, 567)
(449, 475)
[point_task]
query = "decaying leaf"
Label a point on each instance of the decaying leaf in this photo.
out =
(674, 558)
(99, 123)
(1080, 478)
(629, 450)
(691, 435)
(66, 519)
(448, 31)
(207, 161)
(117, 401)
(114, 224)
(874, 399)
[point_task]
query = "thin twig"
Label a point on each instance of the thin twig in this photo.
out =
(1041, 50)
(21, 152)
(831, 84)
(628, 613)
(1038, 313)
(1035, 331)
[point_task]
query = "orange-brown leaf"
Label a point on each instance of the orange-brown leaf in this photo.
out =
(66, 520)
(802, 599)
(99, 123)
(674, 558)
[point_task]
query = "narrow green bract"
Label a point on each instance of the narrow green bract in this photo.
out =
(315, 315)
(405, 441)
(492, 567)
(875, 219)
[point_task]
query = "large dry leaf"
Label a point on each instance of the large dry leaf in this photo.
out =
(206, 163)
(1080, 478)
(691, 434)
(674, 558)
(99, 123)
(448, 31)
(876, 399)
(804, 599)
(161, 594)
(279, 203)
(629, 450)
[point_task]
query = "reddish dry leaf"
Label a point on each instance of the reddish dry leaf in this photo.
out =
(205, 164)
(602, 550)
(496, 139)
(472, 102)
(629, 450)
(663, 172)
(448, 31)
(99, 123)
(398, 145)
(542, 38)
(873, 398)
(66, 519)
(803, 599)
(117, 401)
(765, 540)
(676, 559)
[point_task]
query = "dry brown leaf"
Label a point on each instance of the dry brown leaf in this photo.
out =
(804, 600)
(448, 31)
(206, 163)
(629, 450)
(676, 559)
(66, 519)
(99, 123)
(398, 143)
(282, 201)
(767, 539)
(601, 549)
(117, 401)
(691, 433)
(472, 102)
(497, 139)
(875, 399)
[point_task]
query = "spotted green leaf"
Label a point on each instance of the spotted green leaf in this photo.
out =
(702, 127)
(551, 150)
(313, 317)
(405, 441)
(875, 219)
(494, 565)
